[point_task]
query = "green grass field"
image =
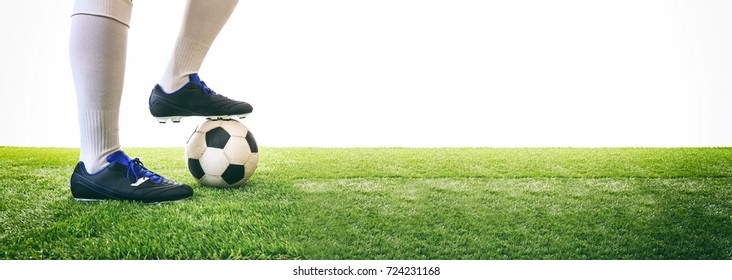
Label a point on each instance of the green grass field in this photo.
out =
(388, 203)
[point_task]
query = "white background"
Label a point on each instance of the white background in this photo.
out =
(416, 73)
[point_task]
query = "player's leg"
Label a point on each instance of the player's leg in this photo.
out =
(97, 50)
(180, 91)
(202, 22)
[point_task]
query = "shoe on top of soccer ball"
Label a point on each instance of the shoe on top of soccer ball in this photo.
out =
(194, 99)
(125, 179)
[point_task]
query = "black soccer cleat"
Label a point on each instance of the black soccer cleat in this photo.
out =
(125, 179)
(194, 99)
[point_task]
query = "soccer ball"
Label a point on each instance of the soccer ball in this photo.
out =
(222, 153)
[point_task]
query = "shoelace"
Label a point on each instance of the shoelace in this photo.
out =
(137, 169)
(207, 90)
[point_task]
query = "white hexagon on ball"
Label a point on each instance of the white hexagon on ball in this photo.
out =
(214, 161)
(196, 145)
(237, 150)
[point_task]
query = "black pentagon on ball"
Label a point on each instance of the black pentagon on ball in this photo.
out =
(195, 167)
(234, 173)
(217, 138)
(252, 143)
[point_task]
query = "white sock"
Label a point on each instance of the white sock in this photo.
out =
(201, 24)
(97, 50)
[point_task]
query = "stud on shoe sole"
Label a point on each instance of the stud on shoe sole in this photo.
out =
(227, 117)
(165, 119)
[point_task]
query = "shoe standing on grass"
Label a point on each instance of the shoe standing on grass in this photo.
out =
(125, 179)
(98, 50)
